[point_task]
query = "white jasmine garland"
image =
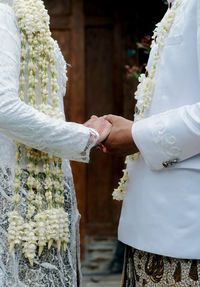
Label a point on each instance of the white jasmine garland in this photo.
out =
(52, 230)
(145, 90)
(30, 195)
(31, 210)
(38, 201)
(53, 112)
(41, 226)
(64, 237)
(29, 241)
(119, 193)
(58, 181)
(48, 183)
(40, 219)
(15, 229)
(16, 198)
(17, 182)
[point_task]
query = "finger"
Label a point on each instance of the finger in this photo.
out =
(94, 117)
(88, 123)
(104, 149)
(110, 118)
(105, 132)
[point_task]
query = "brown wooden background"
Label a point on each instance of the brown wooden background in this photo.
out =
(94, 37)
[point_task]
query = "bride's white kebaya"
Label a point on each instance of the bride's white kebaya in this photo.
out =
(145, 90)
(42, 225)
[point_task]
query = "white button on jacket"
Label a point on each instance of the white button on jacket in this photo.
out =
(161, 211)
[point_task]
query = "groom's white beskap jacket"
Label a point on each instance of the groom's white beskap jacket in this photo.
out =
(161, 211)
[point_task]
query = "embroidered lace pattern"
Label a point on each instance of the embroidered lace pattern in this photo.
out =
(51, 268)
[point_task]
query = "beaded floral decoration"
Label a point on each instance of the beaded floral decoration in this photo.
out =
(46, 220)
(145, 90)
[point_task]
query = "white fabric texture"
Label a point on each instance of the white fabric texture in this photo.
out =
(71, 141)
(161, 210)
(174, 133)
(22, 122)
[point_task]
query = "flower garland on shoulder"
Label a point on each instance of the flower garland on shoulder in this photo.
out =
(145, 90)
(46, 220)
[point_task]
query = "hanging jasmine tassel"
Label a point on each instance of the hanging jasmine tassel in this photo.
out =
(45, 217)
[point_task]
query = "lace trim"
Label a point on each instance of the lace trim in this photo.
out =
(94, 136)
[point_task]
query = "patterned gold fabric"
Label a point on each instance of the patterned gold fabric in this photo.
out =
(144, 269)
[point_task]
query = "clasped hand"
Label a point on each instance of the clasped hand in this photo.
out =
(115, 134)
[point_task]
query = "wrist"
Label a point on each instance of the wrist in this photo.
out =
(94, 136)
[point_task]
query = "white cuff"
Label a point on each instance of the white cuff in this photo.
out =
(143, 140)
(93, 139)
(168, 138)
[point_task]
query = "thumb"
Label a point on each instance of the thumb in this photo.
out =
(110, 118)
(94, 117)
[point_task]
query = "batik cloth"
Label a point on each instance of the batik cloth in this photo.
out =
(143, 269)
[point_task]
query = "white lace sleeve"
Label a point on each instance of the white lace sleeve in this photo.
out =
(22, 122)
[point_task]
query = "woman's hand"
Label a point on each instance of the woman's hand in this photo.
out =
(101, 125)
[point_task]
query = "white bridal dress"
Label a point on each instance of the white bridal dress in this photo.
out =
(22, 123)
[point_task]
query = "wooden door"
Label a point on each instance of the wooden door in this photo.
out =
(103, 66)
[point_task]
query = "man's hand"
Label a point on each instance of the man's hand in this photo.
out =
(120, 139)
(101, 125)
